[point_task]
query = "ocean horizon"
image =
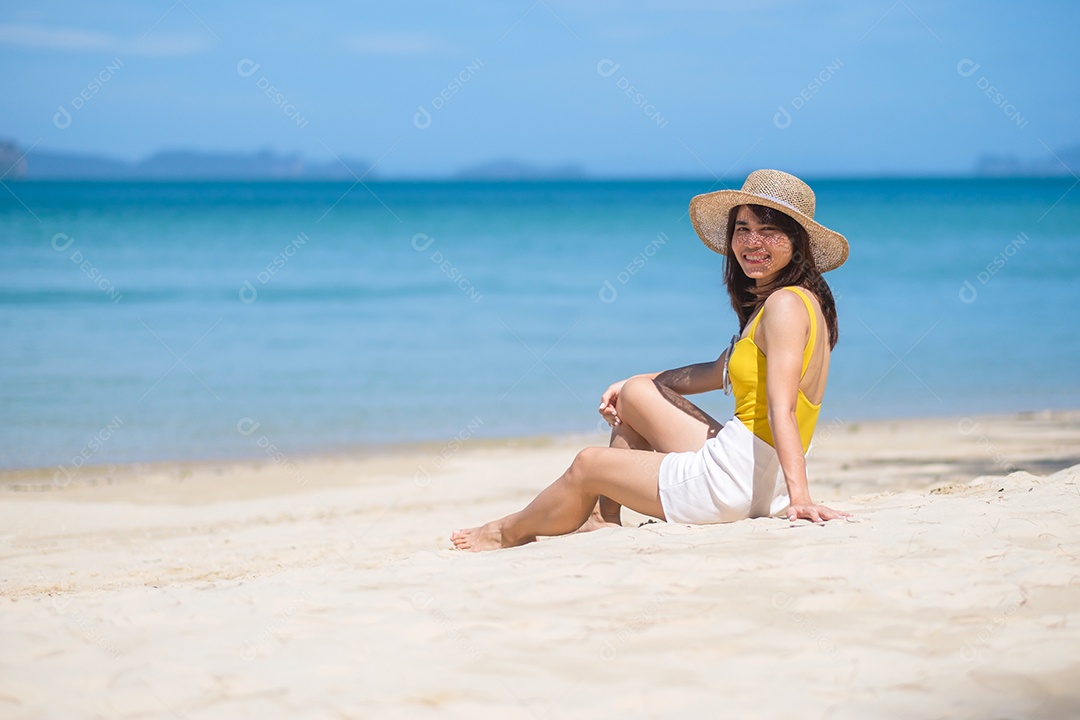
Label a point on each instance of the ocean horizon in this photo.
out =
(187, 320)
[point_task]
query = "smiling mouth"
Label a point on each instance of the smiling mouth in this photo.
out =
(757, 258)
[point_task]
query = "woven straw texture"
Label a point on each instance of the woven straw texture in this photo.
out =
(775, 189)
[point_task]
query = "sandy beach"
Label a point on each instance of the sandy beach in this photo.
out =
(326, 587)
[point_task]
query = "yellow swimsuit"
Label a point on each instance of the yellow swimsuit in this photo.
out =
(736, 474)
(746, 367)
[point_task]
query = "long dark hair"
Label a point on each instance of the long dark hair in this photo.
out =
(746, 297)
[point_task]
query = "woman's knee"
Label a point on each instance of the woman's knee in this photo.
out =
(585, 464)
(633, 392)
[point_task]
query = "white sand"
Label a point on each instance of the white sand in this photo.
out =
(247, 590)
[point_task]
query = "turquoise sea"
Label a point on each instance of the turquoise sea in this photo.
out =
(155, 321)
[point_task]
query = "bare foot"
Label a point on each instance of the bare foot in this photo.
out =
(609, 510)
(597, 521)
(486, 537)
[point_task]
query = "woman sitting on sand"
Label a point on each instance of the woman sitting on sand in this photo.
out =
(668, 458)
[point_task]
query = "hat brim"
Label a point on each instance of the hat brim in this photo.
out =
(709, 214)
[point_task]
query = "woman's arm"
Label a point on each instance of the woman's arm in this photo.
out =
(695, 379)
(689, 380)
(784, 330)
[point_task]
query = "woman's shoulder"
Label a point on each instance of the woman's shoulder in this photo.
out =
(792, 299)
(786, 311)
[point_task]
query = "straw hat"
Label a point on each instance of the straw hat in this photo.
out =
(780, 191)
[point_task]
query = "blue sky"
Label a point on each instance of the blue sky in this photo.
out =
(622, 89)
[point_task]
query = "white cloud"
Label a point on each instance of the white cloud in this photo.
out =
(39, 37)
(36, 36)
(394, 44)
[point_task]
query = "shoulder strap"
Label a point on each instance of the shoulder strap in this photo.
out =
(809, 350)
(755, 321)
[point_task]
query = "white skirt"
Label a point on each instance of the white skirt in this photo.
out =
(736, 475)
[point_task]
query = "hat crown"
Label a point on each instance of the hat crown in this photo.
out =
(783, 188)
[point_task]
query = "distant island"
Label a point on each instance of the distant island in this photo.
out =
(16, 163)
(38, 164)
(1065, 161)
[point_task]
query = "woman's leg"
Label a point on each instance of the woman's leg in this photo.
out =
(663, 418)
(653, 416)
(673, 424)
(607, 512)
(628, 477)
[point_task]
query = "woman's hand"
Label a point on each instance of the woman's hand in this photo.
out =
(607, 403)
(814, 512)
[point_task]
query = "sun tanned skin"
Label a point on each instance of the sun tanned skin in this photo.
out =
(670, 383)
(651, 417)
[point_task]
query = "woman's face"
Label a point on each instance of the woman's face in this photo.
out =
(761, 250)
